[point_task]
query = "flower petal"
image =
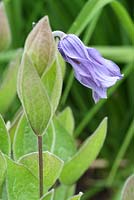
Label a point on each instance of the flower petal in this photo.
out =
(72, 46)
(98, 95)
(111, 68)
(90, 68)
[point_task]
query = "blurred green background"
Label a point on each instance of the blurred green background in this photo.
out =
(109, 26)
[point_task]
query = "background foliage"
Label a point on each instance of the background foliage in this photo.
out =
(107, 25)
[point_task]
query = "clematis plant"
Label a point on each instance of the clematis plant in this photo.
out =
(90, 68)
(39, 148)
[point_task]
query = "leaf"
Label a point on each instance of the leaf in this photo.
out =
(33, 96)
(118, 53)
(25, 140)
(3, 168)
(52, 167)
(56, 140)
(14, 125)
(87, 13)
(92, 7)
(81, 161)
(21, 183)
(63, 192)
(124, 18)
(76, 197)
(128, 189)
(8, 86)
(53, 80)
(5, 144)
(4, 192)
(66, 119)
(48, 195)
(59, 141)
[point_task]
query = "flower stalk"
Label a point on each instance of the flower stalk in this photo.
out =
(58, 34)
(40, 162)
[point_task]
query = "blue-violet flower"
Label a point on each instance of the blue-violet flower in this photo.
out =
(90, 68)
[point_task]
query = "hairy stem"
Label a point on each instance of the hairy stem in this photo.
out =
(58, 34)
(40, 161)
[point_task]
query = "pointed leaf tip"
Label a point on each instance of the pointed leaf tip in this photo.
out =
(87, 153)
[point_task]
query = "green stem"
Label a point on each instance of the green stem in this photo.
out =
(40, 165)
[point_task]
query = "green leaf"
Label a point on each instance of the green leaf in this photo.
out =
(63, 192)
(56, 140)
(118, 53)
(3, 168)
(92, 7)
(76, 197)
(86, 15)
(14, 125)
(21, 183)
(25, 140)
(33, 96)
(128, 189)
(59, 141)
(81, 161)
(66, 119)
(8, 86)
(52, 167)
(48, 195)
(124, 18)
(53, 80)
(4, 192)
(5, 144)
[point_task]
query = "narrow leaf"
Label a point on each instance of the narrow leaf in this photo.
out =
(25, 140)
(66, 119)
(86, 15)
(8, 87)
(82, 160)
(5, 144)
(59, 141)
(3, 168)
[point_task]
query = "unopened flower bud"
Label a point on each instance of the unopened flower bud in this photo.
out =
(5, 34)
(40, 45)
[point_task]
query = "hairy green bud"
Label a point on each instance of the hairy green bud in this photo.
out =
(40, 45)
(5, 34)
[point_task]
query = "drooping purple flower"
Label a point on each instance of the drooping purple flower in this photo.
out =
(90, 68)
